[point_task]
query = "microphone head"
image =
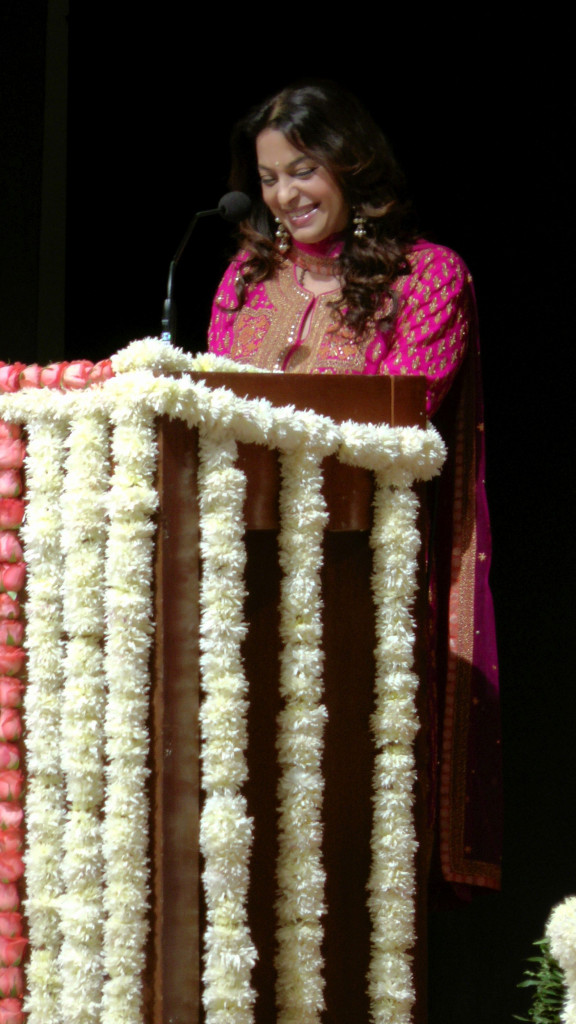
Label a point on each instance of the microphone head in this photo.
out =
(234, 206)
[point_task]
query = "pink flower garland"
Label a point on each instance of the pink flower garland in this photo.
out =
(12, 572)
(14, 377)
(67, 376)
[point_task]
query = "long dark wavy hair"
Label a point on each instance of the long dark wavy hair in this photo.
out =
(327, 123)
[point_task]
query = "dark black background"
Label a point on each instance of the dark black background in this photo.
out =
(482, 119)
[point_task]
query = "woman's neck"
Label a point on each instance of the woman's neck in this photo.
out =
(330, 247)
(319, 259)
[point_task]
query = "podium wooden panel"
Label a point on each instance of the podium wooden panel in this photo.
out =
(174, 962)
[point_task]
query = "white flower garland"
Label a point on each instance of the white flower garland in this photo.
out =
(84, 701)
(225, 829)
(395, 541)
(160, 358)
(398, 456)
(129, 631)
(561, 932)
(45, 800)
(300, 873)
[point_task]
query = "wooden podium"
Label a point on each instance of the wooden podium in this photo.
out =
(174, 974)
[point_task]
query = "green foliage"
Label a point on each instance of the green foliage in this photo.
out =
(547, 980)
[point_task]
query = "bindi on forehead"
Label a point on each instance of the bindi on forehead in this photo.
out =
(275, 152)
(290, 166)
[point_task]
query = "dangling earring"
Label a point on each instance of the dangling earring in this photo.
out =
(282, 236)
(359, 222)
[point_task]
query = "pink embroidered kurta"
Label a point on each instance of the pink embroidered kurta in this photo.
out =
(432, 332)
(428, 335)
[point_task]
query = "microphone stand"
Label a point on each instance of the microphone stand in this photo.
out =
(234, 206)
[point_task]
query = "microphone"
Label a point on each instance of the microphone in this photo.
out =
(233, 207)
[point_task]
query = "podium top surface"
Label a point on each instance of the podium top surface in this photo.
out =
(399, 401)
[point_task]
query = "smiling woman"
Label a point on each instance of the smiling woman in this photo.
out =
(332, 277)
(299, 192)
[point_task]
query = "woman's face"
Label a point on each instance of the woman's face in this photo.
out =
(298, 190)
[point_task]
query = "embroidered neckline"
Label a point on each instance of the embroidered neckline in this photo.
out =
(320, 257)
(327, 266)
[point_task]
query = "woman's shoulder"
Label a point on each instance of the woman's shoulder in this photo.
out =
(227, 286)
(236, 263)
(226, 298)
(437, 264)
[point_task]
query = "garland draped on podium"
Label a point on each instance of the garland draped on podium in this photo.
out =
(88, 543)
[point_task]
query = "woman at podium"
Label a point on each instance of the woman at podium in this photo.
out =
(332, 277)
